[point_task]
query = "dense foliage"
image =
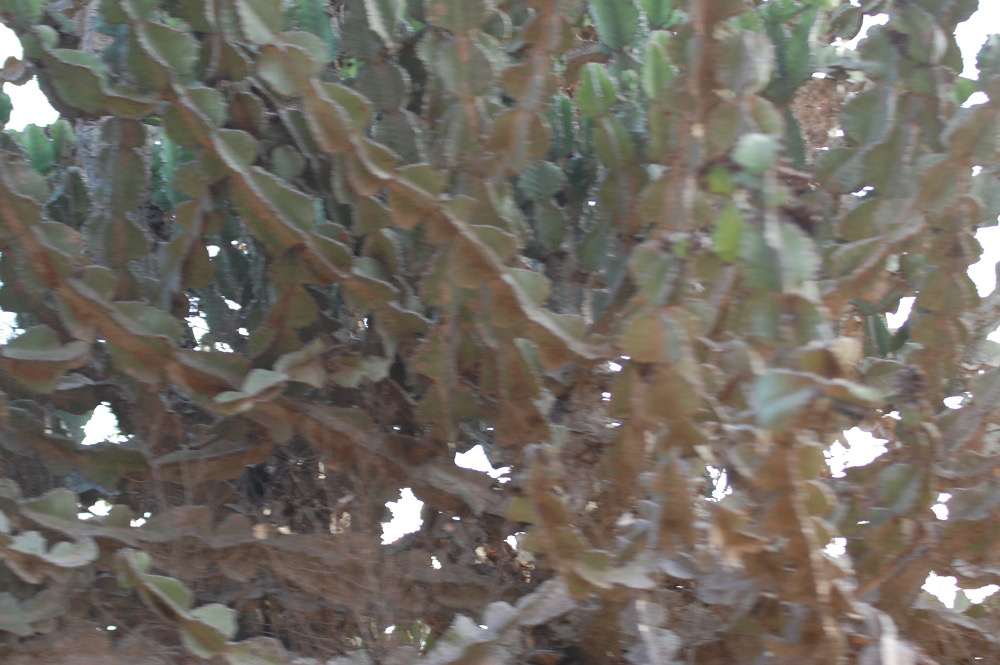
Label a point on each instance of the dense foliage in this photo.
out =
(641, 252)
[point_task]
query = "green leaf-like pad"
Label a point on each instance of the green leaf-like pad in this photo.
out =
(756, 152)
(617, 21)
(458, 16)
(782, 397)
(727, 233)
(596, 94)
(260, 19)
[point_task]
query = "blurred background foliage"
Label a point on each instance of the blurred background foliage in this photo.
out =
(639, 252)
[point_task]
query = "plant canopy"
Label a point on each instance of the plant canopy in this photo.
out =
(640, 252)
